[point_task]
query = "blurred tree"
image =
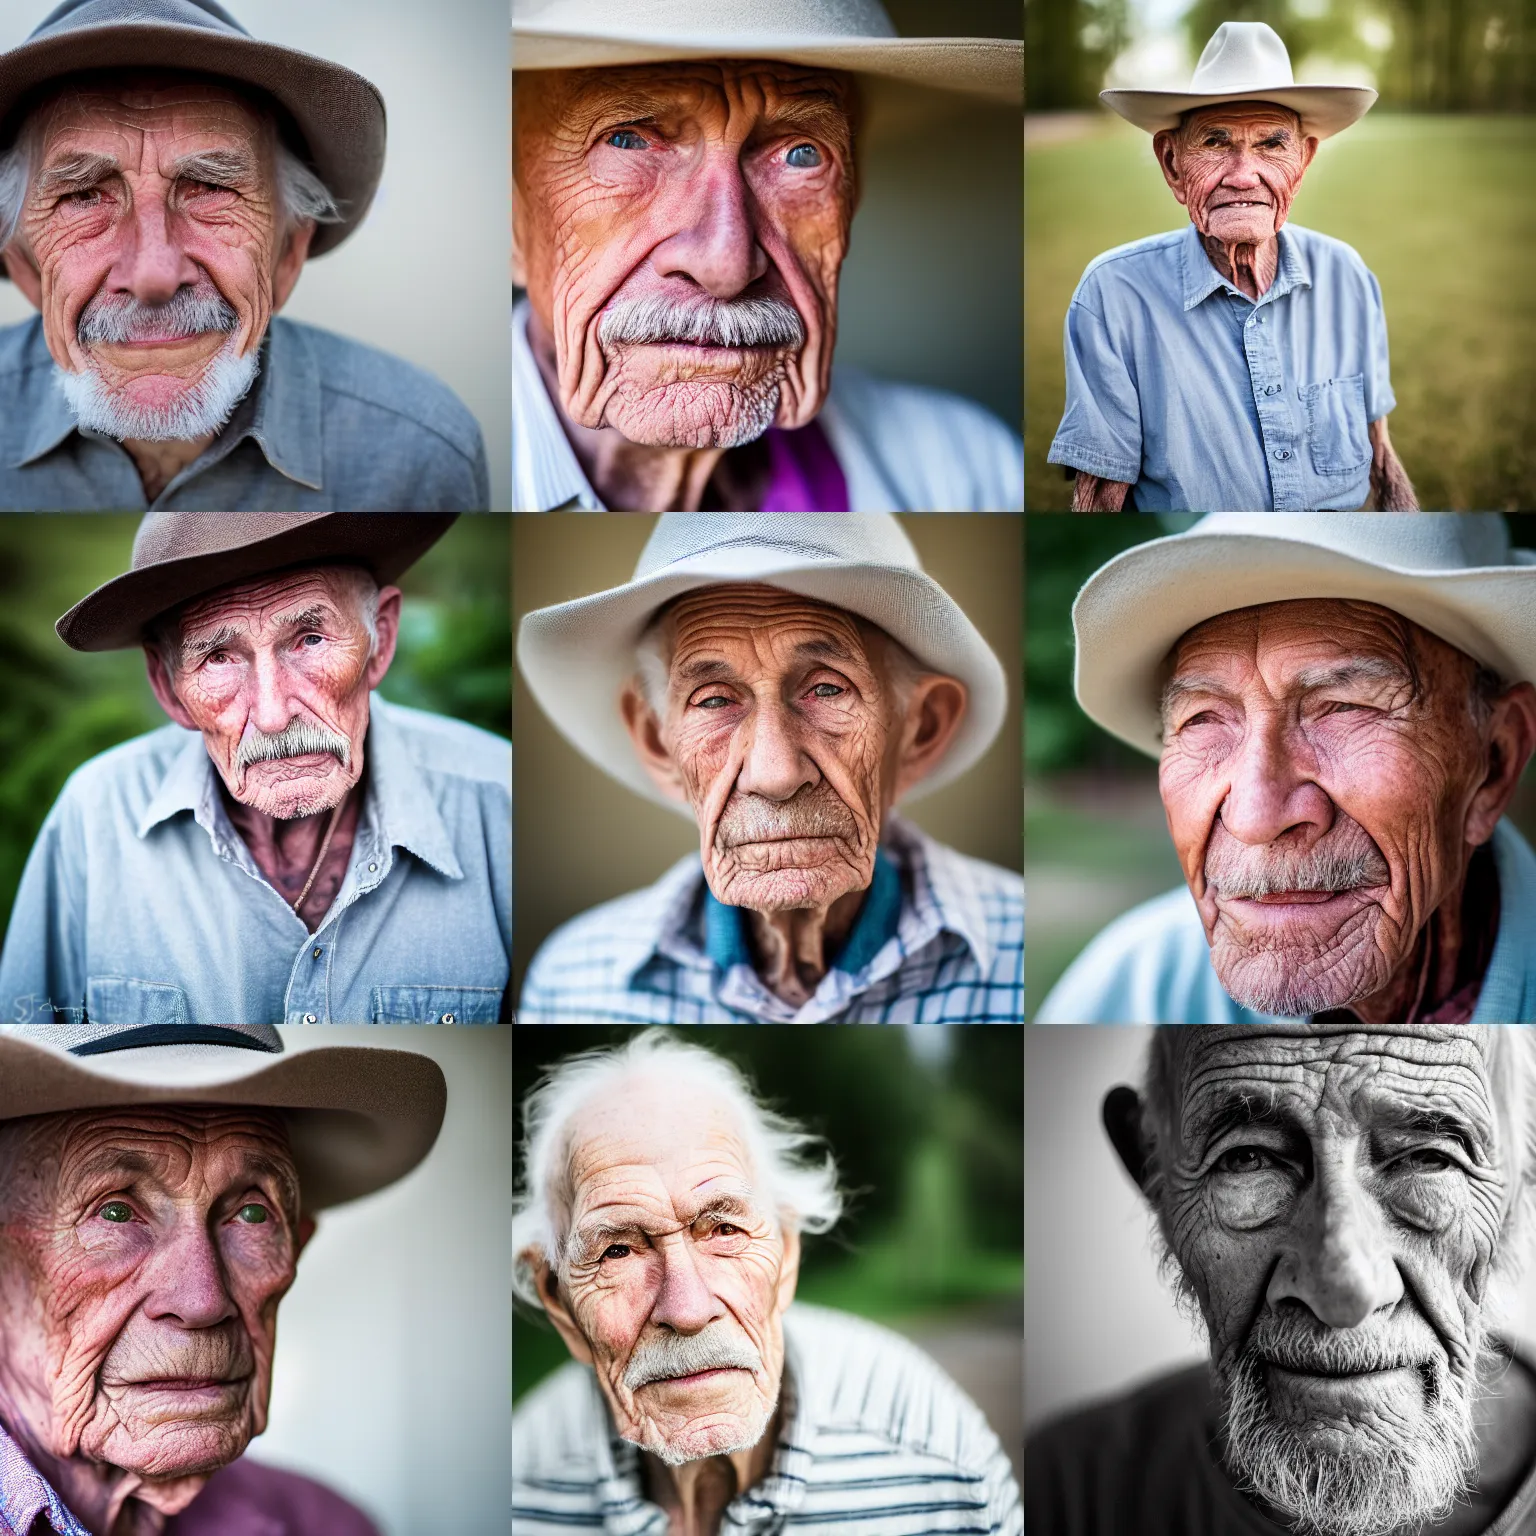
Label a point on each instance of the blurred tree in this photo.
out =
(1068, 45)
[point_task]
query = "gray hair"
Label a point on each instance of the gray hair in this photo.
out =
(163, 633)
(301, 194)
(800, 1185)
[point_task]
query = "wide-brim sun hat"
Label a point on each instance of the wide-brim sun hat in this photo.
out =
(338, 115)
(1452, 573)
(182, 555)
(854, 35)
(578, 656)
(1246, 61)
(359, 1117)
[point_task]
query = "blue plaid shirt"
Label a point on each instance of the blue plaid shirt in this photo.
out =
(939, 939)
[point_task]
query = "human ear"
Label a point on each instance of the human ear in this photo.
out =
(26, 277)
(1511, 741)
(1164, 144)
(519, 262)
(1122, 1122)
(160, 681)
(307, 1225)
(557, 1312)
(291, 263)
(645, 731)
(934, 712)
(388, 627)
(1308, 149)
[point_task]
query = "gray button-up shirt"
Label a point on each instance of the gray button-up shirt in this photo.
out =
(329, 425)
(141, 904)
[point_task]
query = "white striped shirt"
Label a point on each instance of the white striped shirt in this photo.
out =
(901, 447)
(955, 955)
(874, 1440)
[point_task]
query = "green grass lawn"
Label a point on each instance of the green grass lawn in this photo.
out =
(1440, 209)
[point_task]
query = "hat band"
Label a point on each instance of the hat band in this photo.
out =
(171, 1034)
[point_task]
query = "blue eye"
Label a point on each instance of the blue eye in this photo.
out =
(803, 157)
(625, 138)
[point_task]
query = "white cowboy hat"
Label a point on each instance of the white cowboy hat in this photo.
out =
(1246, 61)
(1453, 573)
(578, 656)
(827, 34)
(359, 1117)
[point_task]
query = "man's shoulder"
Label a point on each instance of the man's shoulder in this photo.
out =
(245, 1488)
(406, 398)
(1134, 261)
(1327, 250)
(125, 777)
(558, 1427)
(25, 372)
(453, 748)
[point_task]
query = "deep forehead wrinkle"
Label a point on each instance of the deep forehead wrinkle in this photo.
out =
(255, 603)
(649, 90)
(735, 615)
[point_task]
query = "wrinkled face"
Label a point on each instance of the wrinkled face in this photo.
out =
(143, 1253)
(1318, 770)
(679, 228)
(783, 725)
(1335, 1200)
(153, 224)
(275, 674)
(677, 1273)
(1236, 167)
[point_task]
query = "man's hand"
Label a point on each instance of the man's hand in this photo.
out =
(1391, 489)
(1091, 494)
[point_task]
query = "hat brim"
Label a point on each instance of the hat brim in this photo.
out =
(1324, 110)
(338, 112)
(577, 657)
(359, 1117)
(1132, 612)
(992, 67)
(386, 543)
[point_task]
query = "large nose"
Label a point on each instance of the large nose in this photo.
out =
(685, 1303)
(774, 766)
(187, 1282)
(1339, 1261)
(1242, 169)
(152, 263)
(270, 700)
(715, 241)
(1270, 791)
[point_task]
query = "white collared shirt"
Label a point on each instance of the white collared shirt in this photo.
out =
(902, 448)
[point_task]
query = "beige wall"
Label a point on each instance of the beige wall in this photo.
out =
(425, 276)
(580, 837)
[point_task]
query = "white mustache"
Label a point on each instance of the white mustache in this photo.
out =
(706, 322)
(1344, 860)
(190, 311)
(296, 739)
(669, 1355)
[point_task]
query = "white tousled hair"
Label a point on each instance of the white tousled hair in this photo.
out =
(798, 1181)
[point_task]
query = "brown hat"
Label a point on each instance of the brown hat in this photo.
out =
(182, 555)
(338, 114)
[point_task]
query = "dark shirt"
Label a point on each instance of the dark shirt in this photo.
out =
(1144, 1465)
(329, 425)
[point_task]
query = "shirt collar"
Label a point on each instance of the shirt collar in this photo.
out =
(401, 810)
(545, 467)
(1201, 279)
(280, 414)
(25, 1494)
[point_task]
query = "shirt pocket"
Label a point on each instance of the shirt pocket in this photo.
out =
(1336, 425)
(127, 1000)
(436, 1005)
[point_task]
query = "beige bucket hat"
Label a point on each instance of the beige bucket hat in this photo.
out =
(359, 1116)
(854, 35)
(578, 656)
(1246, 61)
(1453, 573)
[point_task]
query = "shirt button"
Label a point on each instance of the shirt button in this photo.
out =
(1282, 453)
(317, 954)
(310, 1018)
(373, 869)
(448, 1018)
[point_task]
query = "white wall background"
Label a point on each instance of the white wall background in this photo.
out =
(1096, 1317)
(392, 1377)
(426, 276)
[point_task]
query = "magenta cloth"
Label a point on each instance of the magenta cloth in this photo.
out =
(249, 1499)
(803, 472)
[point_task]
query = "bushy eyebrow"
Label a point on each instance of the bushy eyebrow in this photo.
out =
(76, 173)
(217, 167)
(196, 650)
(1233, 1110)
(125, 1160)
(605, 1227)
(1376, 669)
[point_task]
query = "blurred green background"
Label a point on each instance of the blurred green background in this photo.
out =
(1095, 839)
(926, 1124)
(60, 707)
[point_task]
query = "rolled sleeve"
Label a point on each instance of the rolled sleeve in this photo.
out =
(1379, 399)
(1100, 431)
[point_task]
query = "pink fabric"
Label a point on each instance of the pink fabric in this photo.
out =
(249, 1499)
(803, 472)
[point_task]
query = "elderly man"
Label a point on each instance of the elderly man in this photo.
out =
(659, 1229)
(1241, 363)
(154, 1200)
(293, 848)
(163, 179)
(784, 681)
(1340, 1208)
(683, 189)
(1342, 708)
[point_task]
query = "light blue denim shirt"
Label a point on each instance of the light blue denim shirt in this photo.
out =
(329, 425)
(1204, 401)
(1153, 966)
(141, 904)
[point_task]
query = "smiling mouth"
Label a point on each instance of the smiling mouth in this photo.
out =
(695, 1376)
(1244, 203)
